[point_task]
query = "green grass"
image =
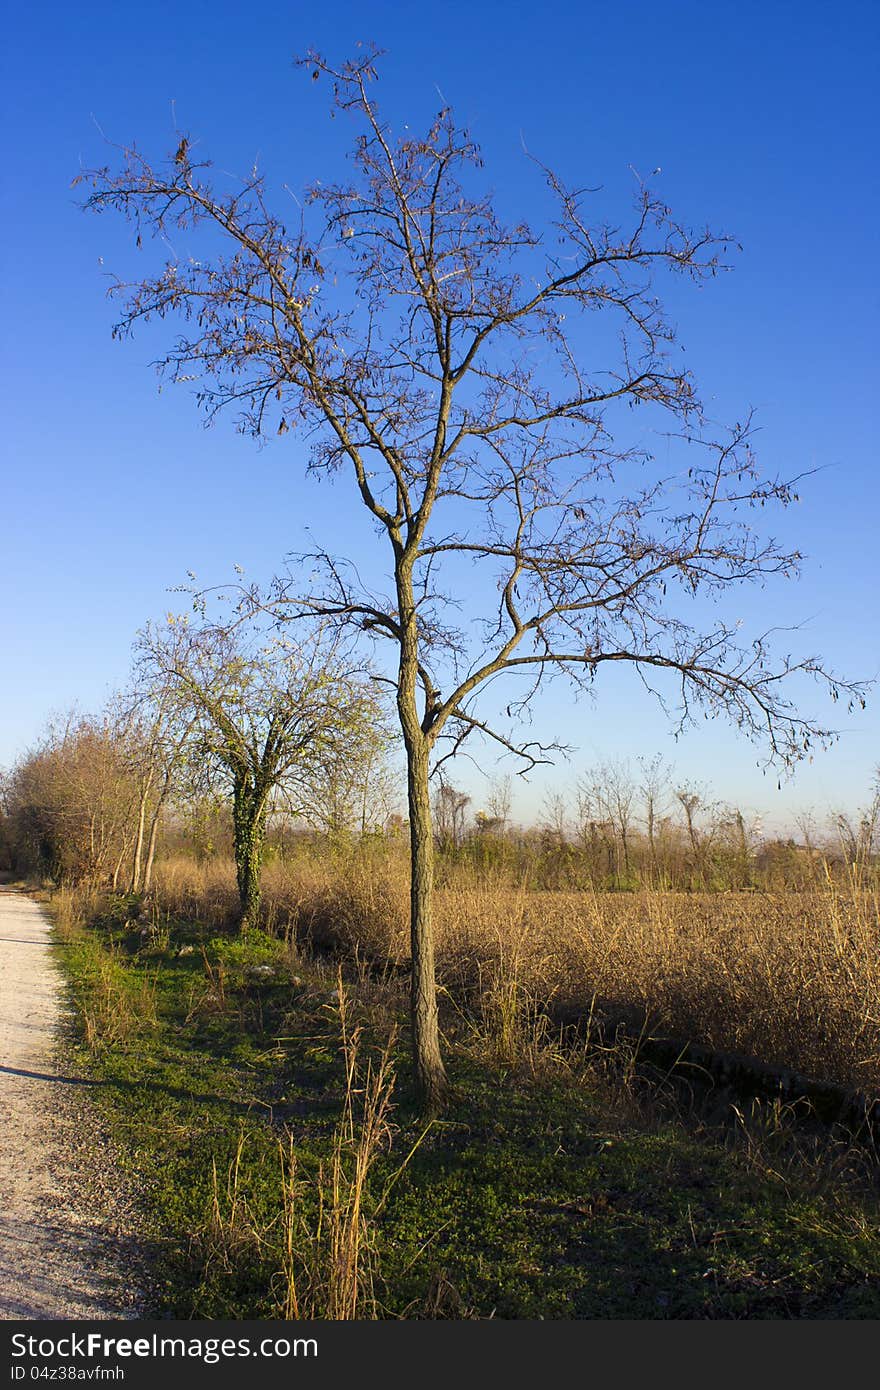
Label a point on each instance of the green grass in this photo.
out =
(538, 1195)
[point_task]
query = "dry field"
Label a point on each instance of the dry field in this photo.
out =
(791, 978)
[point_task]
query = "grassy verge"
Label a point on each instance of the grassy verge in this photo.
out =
(265, 1112)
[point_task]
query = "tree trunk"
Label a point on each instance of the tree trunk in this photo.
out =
(154, 830)
(114, 878)
(655, 872)
(430, 1074)
(249, 826)
(429, 1070)
(151, 851)
(139, 842)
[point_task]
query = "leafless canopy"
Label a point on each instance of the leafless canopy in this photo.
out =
(439, 355)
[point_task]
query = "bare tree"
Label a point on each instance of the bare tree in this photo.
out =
(446, 362)
(606, 796)
(491, 822)
(860, 838)
(654, 787)
(735, 845)
(805, 820)
(450, 806)
(555, 817)
(499, 800)
(155, 739)
(695, 804)
(7, 834)
(171, 750)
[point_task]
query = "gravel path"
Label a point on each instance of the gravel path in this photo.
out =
(64, 1242)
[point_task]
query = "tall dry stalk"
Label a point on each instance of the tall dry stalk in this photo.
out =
(329, 1263)
(231, 1233)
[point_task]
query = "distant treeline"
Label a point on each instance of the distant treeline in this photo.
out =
(99, 798)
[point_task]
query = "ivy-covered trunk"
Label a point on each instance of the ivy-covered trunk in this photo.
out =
(249, 829)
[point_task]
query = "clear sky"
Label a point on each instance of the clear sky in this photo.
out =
(762, 118)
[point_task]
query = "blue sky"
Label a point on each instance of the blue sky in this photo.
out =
(761, 119)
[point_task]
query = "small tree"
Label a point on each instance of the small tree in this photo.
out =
(499, 800)
(860, 839)
(456, 369)
(450, 806)
(156, 740)
(264, 717)
(606, 797)
(555, 817)
(654, 789)
(694, 803)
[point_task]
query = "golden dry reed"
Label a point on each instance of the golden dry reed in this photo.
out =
(792, 977)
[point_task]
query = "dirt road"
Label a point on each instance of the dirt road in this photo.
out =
(63, 1236)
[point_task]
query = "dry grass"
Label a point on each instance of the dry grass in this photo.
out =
(71, 909)
(117, 1011)
(114, 1008)
(329, 1263)
(792, 978)
(232, 1233)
